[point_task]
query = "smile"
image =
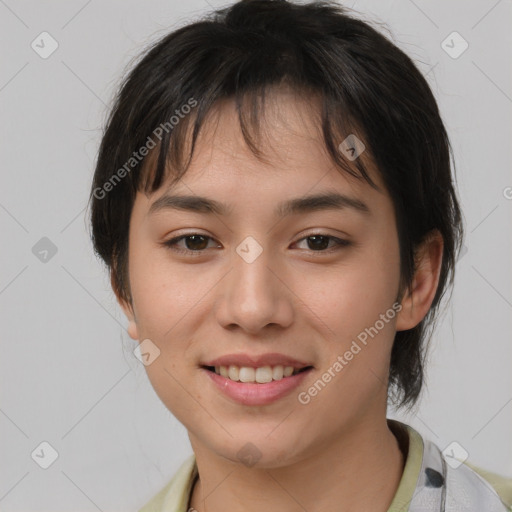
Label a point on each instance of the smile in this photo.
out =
(260, 375)
(253, 393)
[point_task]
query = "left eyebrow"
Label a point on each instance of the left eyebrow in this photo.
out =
(307, 204)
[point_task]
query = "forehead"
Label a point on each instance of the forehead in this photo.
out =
(293, 160)
(287, 132)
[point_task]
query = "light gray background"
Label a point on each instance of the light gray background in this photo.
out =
(68, 373)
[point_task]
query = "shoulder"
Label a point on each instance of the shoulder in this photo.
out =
(157, 502)
(501, 484)
(174, 496)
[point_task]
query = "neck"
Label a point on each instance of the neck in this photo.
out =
(359, 471)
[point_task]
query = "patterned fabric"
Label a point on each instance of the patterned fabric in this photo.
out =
(443, 488)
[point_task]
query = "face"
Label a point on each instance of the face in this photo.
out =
(262, 289)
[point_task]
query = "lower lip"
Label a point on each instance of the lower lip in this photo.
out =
(248, 393)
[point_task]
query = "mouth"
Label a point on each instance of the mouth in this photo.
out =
(256, 375)
(256, 386)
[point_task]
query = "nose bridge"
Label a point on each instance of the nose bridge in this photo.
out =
(252, 296)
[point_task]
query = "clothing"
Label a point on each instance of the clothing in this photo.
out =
(429, 483)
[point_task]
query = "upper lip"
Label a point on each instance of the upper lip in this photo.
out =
(256, 361)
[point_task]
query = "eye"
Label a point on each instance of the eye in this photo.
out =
(318, 242)
(197, 243)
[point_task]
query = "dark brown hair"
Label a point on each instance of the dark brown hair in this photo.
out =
(367, 86)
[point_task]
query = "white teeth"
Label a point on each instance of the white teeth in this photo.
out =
(260, 375)
(263, 374)
(277, 372)
(233, 372)
(246, 374)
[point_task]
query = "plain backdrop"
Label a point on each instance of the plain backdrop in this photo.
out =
(69, 377)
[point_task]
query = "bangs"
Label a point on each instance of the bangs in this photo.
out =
(171, 157)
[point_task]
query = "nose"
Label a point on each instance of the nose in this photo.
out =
(253, 295)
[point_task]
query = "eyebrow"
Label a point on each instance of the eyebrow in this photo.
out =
(307, 204)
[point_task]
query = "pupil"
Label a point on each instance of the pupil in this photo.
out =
(317, 239)
(195, 238)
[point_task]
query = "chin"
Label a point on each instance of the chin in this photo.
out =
(258, 451)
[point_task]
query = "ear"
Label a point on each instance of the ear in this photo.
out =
(126, 307)
(417, 302)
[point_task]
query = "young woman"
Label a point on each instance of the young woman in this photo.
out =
(274, 200)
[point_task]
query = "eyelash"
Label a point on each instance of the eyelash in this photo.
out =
(171, 244)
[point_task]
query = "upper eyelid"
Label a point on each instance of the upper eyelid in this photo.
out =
(179, 238)
(318, 231)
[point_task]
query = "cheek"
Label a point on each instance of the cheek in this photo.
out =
(351, 296)
(374, 283)
(163, 293)
(162, 300)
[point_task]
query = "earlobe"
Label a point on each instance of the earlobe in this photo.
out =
(127, 309)
(132, 324)
(132, 330)
(417, 301)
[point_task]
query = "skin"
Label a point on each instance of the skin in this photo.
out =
(337, 452)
